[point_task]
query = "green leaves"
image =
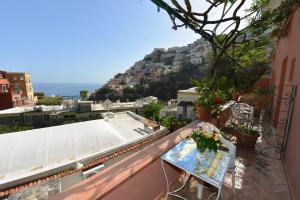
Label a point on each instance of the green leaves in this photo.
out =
(9, 129)
(204, 143)
(152, 111)
(173, 123)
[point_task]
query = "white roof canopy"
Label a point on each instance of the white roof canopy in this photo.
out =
(35, 151)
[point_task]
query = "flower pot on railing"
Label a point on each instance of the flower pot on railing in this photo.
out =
(202, 114)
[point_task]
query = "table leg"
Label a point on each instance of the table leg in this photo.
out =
(199, 191)
(171, 193)
(219, 193)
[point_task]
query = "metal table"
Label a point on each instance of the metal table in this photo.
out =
(185, 156)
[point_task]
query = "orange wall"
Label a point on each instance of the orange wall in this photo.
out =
(289, 47)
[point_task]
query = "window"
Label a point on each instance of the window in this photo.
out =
(4, 88)
(46, 118)
(15, 78)
(292, 70)
(21, 78)
(28, 119)
(15, 120)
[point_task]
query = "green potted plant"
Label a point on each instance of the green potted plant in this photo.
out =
(209, 103)
(212, 97)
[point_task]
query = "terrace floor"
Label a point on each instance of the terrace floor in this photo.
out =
(259, 175)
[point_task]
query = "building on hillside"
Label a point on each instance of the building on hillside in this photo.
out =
(186, 100)
(70, 153)
(8, 99)
(21, 82)
(286, 104)
(195, 58)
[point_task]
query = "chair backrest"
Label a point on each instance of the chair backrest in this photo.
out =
(239, 111)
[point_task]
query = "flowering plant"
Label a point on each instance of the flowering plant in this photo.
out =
(212, 100)
(205, 139)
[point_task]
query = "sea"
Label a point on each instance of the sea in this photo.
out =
(65, 89)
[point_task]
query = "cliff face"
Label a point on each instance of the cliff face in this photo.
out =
(161, 73)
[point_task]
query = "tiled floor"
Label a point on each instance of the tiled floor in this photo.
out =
(258, 177)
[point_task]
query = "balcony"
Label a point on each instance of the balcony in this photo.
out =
(140, 176)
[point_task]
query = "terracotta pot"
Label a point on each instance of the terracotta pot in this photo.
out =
(202, 114)
(246, 140)
(236, 97)
(214, 120)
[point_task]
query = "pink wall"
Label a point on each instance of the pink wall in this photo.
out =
(289, 47)
(137, 177)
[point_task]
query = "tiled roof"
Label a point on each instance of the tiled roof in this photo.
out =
(8, 191)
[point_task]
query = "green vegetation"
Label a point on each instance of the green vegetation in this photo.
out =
(9, 129)
(84, 94)
(39, 94)
(173, 123)
(152, 111)
(50, 101)
(236, 51)
(128, 94)
(167, 87)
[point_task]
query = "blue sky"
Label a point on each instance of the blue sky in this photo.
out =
(81, 41)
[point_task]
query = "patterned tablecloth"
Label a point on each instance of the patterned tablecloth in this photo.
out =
(186, 156)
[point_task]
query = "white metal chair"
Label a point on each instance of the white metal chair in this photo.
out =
(242, 113)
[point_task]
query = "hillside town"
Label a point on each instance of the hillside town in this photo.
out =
(215, 119)
(160, 63)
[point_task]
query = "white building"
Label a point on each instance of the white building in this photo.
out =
(195, 58)
(186, 100)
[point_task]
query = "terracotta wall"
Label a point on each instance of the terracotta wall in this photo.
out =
(288, 56)
(137, 177)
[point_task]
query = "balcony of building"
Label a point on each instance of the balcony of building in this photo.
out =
(259, 174)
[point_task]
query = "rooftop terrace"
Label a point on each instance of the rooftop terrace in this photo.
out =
(140, 176)
(31, 154)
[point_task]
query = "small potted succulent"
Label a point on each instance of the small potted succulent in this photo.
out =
(205, 140)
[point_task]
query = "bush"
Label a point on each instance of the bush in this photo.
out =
(172, 123)
(84, 94)
(152, 111)
(50, 101)
(9, 129)
(39, 94)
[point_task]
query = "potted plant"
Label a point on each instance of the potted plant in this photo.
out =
(205, 140)
(246, 135)
(209, 103)
(212, 97)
